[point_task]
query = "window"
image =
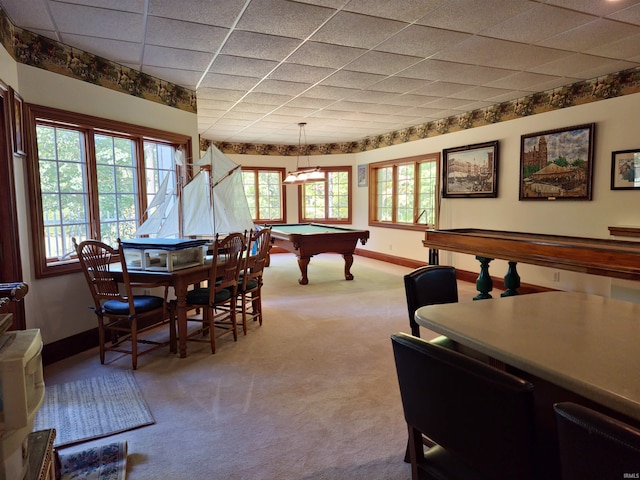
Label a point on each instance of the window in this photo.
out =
(265, 193)
(328, 201)
(404, 193)
(91, 178)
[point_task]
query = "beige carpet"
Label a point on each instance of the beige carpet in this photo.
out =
(312, 394)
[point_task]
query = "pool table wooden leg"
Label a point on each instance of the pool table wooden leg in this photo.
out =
(303, 262)
(348, 261)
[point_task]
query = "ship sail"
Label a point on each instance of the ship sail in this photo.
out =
(211, 203)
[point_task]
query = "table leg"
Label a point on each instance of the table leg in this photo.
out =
(348, 261)
(181, 313)
(303, 262)
(511, 281)
(484, 284)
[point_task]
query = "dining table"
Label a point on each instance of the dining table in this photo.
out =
(180, 280)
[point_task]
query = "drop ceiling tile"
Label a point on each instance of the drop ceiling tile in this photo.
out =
(628, 15)
(324, 55)
(354, 30)
(185, 35)
(295, 111)
(626, 48)
(356, 80)
(283, 17)
(382, 63)
(245, 67)
(571, 65)
(221, 14)
(442, 89)
(172, 75)
(461, 72)
(407, 11)
(306, 102)
(468, 16)
(409, 100)
(263, 98)
(549, 21)
(523, 81)
(95, 22)
(398, 84)
(606, 68)
(586, 37)
(302, 73)
(218, 94)
(329, 92)
(280, 87)
(175, 58)
(258, 45)
(513, 56)
(448, 103)
(257, 109)
(594, 7)
(479, 93)
(422, 41)
(228, 82)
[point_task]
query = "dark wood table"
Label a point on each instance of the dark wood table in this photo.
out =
(180, 280)
(308, 239)
(611, 258)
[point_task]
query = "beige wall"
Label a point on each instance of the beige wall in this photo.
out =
(58, 305)
(49, 306)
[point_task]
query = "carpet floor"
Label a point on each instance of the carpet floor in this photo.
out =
(310, 394)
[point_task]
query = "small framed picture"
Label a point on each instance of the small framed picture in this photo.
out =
(362, 175)
(471, 171)
(17, 118)
(625, 170)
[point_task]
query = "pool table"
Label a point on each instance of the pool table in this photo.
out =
(308, 239)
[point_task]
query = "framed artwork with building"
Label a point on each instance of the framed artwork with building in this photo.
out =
(470, 171)
(557, 164)
(625, 170)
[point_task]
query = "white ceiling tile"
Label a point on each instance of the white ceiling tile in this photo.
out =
(185, 35)
(345, 78)
(595, 7)
(258, 45)
(302, 73)
(549, 21)
(354, 30)
(324, 55)
(117, 50)
(94, 22)
(628, 15)
(382, 63)
(590, 35)
(229, 82)
(175, 58)
(406, 11)
(421, 41)
(283, 17)
(221, 14)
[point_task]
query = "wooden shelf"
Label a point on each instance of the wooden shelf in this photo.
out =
(625, 231)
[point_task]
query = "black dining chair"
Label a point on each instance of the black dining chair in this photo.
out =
(480, 418)
(429, 285)
(594, 446)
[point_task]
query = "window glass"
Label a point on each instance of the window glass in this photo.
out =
(328, 201)
(265, 193)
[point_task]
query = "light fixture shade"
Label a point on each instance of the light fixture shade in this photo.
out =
(291, 178)
(316, 176)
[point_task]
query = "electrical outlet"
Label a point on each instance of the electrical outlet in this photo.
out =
(556, 276)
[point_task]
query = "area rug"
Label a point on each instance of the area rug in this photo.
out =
(93, 408)
(102, 462)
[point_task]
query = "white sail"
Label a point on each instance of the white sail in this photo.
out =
(197, 213)
(210, 204)
(157, 210)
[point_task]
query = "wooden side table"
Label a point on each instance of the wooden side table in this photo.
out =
(40, 456)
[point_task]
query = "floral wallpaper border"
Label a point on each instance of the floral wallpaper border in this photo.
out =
(38, 51)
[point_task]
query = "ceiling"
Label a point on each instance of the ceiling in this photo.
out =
(350, 69)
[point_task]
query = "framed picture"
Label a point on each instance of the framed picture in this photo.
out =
(471, 171)
(625, 170)
(17, 119)
(362, 175)
(557, 164)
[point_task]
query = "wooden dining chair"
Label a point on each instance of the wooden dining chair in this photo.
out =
(217, 301)
(250, 280)
(480, 418)
(121, 317)
(594, 446)
(429, 285)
